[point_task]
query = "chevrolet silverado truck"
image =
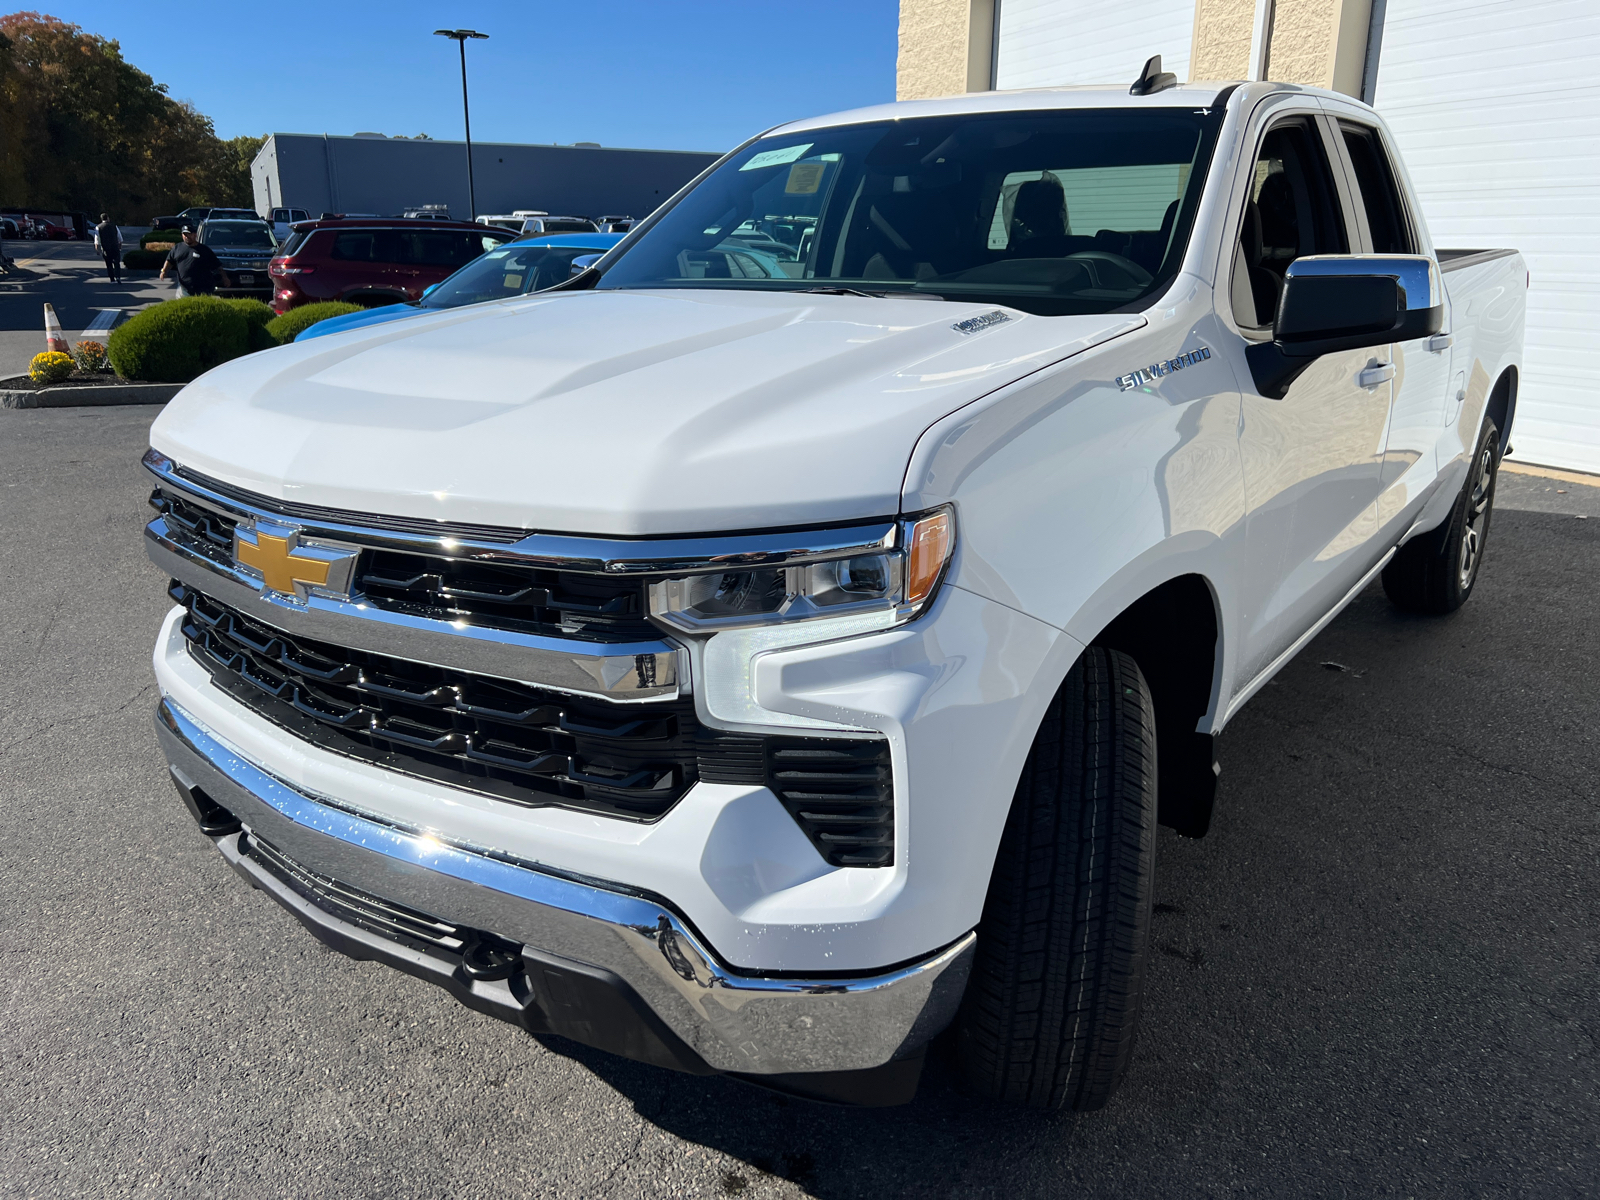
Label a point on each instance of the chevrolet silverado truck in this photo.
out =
(776, 647)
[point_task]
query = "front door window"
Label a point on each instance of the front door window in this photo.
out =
(1291, 212)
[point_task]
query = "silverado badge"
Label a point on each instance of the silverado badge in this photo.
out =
(1156, 370)
(285, 564)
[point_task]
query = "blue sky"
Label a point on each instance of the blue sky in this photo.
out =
(674, 74)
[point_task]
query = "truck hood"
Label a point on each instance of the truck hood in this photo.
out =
(626, 413)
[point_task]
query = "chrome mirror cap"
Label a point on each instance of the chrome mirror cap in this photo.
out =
(1417, 274)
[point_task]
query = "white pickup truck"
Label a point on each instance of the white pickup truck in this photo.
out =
(778, 645)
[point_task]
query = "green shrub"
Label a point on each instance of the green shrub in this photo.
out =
(49, 366)
(160, 235)
(176, 340)
(257, 315)
(144, 260)
(286, 328)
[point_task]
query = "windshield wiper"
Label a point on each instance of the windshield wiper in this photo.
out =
(837, 291)
(850, 291)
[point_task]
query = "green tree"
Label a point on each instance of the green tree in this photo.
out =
(83, 129)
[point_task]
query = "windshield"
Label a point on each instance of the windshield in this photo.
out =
(508, 271)
(238, 233)
(1075, 211)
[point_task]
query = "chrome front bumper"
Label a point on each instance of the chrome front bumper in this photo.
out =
(735, 1023)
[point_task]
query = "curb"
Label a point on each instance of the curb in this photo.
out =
(91, 397)
(1565, 476)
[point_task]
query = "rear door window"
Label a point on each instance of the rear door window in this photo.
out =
(442, 247)
(366, 246)
(1387, 227)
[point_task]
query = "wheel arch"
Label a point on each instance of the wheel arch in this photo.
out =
(1502, 406)
(1174, 631)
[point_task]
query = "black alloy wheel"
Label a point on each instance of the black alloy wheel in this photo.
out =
(1475, 529)
(1435, 572)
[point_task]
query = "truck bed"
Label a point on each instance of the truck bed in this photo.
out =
(1454, 260)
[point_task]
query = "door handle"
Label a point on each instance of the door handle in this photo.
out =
(1440, 342)
(1371, 377)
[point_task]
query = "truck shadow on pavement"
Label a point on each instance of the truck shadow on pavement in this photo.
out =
(1375, 973)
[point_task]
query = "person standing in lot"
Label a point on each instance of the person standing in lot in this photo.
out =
(196, 266)
(108, 244)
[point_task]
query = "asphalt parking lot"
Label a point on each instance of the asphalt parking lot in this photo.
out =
(1377, 976)
(71, 277)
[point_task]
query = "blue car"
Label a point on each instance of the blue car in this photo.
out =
(515, 269)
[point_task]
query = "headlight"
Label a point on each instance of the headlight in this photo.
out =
(738, 615)
(899, 581)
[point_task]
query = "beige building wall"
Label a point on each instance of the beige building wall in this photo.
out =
(1321, 43)
(1222, 31)
(947, 46)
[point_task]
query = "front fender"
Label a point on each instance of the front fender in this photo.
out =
(1076, 496)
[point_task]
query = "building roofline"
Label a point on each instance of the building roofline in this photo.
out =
(347, 137)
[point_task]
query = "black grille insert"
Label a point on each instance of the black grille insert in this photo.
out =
(529, 599)
(533, 747)
(512, 741)
(208, 531)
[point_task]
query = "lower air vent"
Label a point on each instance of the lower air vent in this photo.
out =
(384, 917)
(839, 791)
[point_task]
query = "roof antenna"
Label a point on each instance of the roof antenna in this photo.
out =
(1153, 79)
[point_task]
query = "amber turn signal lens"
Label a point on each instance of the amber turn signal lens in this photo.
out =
(930, 543)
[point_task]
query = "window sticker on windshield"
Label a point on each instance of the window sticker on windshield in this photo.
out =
(497, 254)
(773, 158)
(513, 281)
(804, 178)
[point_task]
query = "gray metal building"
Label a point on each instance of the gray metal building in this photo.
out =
(369, 173)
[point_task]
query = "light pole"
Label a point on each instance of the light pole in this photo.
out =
(460, 36)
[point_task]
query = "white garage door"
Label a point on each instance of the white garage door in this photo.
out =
(1496, 106)
(1053, 43)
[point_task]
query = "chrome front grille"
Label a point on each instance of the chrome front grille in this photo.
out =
(530, 599)
(518, 666)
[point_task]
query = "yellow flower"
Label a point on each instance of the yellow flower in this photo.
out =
(52, 366)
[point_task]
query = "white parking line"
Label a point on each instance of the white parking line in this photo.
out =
(104, 322)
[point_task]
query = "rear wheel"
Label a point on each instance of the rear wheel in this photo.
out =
(1435, 573)
(1050, 1011)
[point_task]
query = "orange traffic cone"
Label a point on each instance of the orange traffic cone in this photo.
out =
(53, 337)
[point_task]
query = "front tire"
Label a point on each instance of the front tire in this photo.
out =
(1053, 1002)
(1435, 573)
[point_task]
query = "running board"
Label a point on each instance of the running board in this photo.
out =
(1300, 643)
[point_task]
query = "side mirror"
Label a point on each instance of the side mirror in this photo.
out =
(1345, 302)
(584, 261)
(429, 290)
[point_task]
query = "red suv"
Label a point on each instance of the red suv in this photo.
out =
(373, 260)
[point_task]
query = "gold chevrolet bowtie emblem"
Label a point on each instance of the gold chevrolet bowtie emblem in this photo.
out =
(285, 565)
